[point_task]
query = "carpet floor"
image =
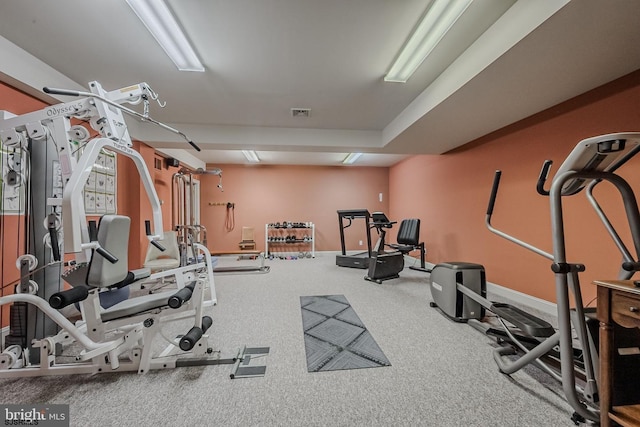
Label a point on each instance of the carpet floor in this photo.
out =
(442, 373)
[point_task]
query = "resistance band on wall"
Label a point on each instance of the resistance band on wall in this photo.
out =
(230, 220)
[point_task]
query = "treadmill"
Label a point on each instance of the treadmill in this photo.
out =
(359, 260)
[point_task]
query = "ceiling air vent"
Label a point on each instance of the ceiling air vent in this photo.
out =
(300, 112)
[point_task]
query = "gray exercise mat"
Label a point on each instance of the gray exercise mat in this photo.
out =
(334, 336)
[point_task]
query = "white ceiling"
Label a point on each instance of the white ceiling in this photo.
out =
(503, 61)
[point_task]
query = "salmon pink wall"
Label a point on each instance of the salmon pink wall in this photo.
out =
(269, 194)
(450, 193)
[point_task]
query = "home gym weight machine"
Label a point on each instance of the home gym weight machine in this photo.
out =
(185, 207)
(39, 139)
(383, 265)
(185, 201)
(41, 136)
(458, 288)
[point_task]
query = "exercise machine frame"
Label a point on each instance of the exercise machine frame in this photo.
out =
(359, 260)
(383, 265)
(103, 342)
(592, 161)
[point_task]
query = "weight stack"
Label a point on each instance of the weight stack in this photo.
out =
(18, 313)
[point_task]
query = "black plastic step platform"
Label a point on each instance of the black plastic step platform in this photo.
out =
(527, 323)
(247, 355)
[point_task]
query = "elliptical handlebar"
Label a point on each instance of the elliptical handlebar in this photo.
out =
(544, 174)
(492, 202)
(494, 192)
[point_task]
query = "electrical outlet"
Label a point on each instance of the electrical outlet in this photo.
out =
(360, 242)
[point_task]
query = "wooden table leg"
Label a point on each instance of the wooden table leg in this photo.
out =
(605, 354)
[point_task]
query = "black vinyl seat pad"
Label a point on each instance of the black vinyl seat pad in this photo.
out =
(335, 338)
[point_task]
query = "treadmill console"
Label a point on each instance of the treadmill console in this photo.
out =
(381, 220)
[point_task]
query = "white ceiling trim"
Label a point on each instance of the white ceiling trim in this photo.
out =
(262, 138)
(29, 74)
(515, 24)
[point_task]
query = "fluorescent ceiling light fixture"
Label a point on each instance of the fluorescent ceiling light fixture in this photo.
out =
(351, 158)
(251, 155)
(440, 17)
(155, 15)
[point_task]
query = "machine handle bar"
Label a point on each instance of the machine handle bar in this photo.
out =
(158, 245)
(147, 226)
(492, 201)
(93, 237)
(124, 109)
(193, 144)
(107, 255)
(55, 91)
(55, 245)
(53, 236)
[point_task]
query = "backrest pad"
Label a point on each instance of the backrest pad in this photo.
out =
(113, 235)
(409, 232)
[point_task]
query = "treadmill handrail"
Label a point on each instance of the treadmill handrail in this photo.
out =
(350, 214)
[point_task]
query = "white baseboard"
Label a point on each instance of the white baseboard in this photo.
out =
(494, 289)
(524, 299)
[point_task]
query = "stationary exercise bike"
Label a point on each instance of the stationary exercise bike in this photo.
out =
(383, 265)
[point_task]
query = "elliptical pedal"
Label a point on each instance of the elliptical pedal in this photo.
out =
(526, 322)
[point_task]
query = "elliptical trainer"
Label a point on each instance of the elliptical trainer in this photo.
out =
(592, 161)
(383, 265)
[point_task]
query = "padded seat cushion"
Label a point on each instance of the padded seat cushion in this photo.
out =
(162, 264)
(112, 297)
(403, 248)
(136, 305)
